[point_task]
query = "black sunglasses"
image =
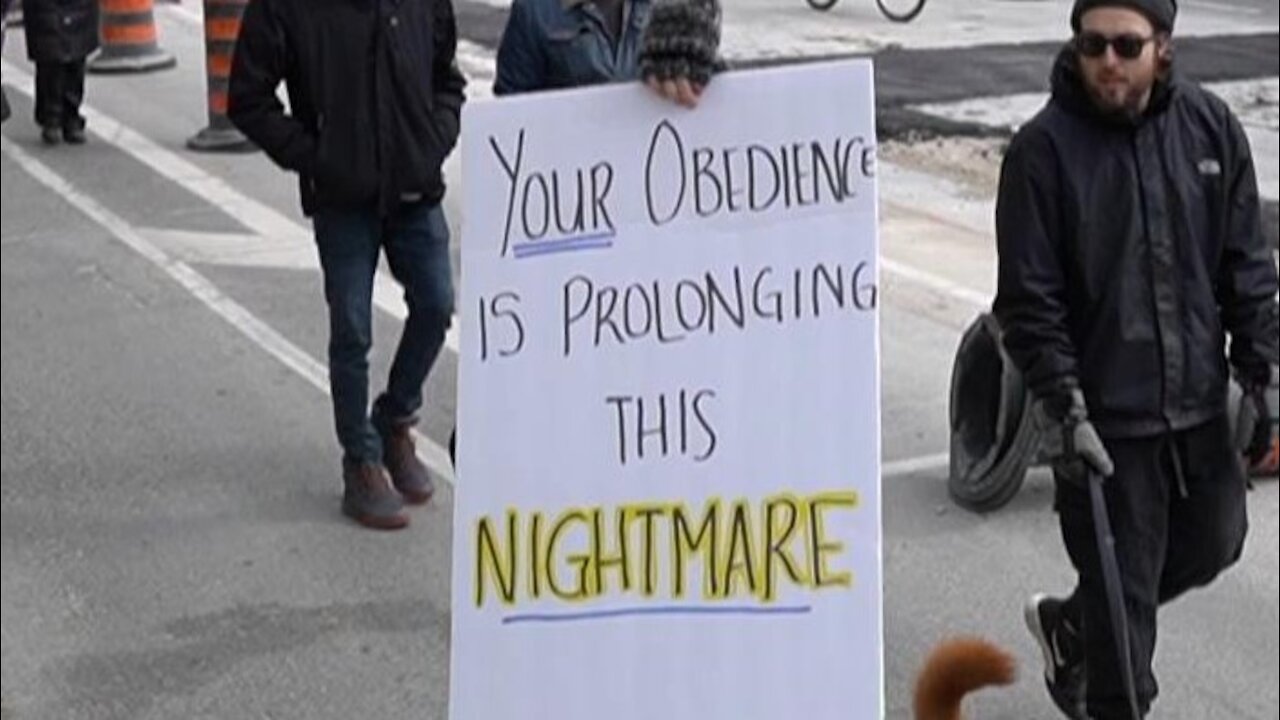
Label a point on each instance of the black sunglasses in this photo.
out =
(1127, 46)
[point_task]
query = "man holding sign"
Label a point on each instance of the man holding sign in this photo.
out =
(549, 44)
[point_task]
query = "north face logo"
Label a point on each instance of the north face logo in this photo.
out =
(1209, 166)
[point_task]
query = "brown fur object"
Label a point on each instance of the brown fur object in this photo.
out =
(956, 668)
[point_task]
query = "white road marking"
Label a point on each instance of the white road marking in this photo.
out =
(937, 283)
(911, 466)
(257, 331)
(264, 221)
(193, 16)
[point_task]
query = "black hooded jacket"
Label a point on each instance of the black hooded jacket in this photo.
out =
(1129, 249)
(60, 31)
(374, 93)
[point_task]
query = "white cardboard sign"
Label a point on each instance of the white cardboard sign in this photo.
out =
(668, 502)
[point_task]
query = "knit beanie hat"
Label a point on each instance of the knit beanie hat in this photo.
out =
(1160, 12)
(682, 39)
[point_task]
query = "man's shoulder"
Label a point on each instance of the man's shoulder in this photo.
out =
(1190, 91)
(1041, 128)
(1202, 101)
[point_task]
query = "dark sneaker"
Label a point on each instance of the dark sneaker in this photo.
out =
(51, 135)
(1064, 671)
(369, 499)
(73, 135)
(408, 474)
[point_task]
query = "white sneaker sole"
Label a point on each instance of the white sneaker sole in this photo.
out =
(1031, 615)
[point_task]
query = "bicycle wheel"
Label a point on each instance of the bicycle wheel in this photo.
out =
(900, 10)
(821, 4)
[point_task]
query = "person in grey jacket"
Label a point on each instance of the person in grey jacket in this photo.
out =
(550, 44)
(1131, 247)
(673, 45)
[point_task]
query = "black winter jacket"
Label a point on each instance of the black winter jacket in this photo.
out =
(374, 96)
(1128, 250)
(60, 31)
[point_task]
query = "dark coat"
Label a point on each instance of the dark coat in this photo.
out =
(1129, 250)
(60, 30)
(375, 96)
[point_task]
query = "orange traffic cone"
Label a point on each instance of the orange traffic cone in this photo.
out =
(129, 40)
(221, 28)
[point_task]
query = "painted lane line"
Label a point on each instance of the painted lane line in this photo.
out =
(257, 331)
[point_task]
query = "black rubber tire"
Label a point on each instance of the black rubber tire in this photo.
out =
(822, 5)
(1003, 481)
(986, 477)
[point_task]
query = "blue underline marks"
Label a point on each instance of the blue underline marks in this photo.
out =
(533, 248)
(660, 610)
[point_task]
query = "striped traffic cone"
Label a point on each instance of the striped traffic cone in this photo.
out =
(129, 42)
(221, 28)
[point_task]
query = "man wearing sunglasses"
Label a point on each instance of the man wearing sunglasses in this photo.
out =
(1131, 246)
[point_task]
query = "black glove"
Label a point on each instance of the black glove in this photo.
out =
(1253, 424)
(682, 40)
(1070, 439)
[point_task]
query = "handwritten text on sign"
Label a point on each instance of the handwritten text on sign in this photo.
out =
(668, 429)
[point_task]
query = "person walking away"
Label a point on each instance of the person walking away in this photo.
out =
(375, 100)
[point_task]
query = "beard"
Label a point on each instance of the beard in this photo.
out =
(1121, 99)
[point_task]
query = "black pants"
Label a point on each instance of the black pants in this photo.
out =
(1166, 543)
(59, 92)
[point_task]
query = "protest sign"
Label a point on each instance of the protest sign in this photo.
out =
(668, 499)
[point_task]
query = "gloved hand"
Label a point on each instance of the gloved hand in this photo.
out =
(681, 41)
(1070, 439)
(1253, 424)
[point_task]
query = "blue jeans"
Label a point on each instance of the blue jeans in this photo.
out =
(416, 241)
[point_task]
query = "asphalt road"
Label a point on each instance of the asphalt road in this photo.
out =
(171, 541)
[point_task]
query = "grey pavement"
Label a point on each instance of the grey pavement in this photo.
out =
(171, 541)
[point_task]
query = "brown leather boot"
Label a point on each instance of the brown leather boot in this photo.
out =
(369, 499)
(408, 474)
